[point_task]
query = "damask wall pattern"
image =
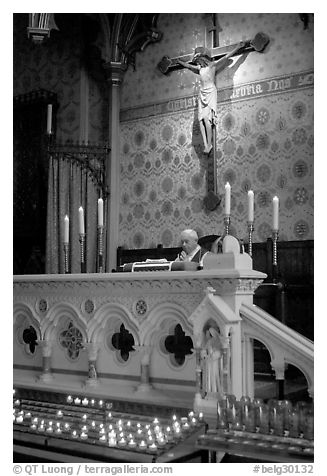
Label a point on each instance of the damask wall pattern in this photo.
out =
(265, 144)
(56, 66)
(290, 50)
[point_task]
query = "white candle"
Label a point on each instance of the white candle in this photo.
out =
(250, 206)
(66, 230)
(81, 220)
(100, 212)
(49, 119)
(227, 199)
(275, 212)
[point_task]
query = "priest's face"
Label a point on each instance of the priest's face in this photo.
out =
(188, 242)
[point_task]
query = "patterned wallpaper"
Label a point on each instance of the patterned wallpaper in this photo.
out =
(264, 143)
(56, 66)
(290, 50)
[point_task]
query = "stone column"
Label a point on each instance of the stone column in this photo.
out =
(92, 352)
(236, 361)
(145, 354)
(46, 347)
(248, 367)
(198, 373)
(115, 72)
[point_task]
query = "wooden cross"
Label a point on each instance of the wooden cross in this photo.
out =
(167, 65)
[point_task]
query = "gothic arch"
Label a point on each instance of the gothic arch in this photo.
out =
(161, 318)
(113, 313)
(54, 316)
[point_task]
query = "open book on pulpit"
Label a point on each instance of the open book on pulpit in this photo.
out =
(161, 265)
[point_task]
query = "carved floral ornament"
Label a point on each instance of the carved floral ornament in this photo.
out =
(71, 339)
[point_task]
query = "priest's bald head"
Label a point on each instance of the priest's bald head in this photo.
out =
(189, 240)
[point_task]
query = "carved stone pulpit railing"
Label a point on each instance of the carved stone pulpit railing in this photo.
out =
(114, 333)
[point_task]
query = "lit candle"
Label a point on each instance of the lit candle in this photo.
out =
(112, 442)
(132, 443)
(59, 414)
(227, 199)
(250, 206)
(77, 401)
(81, 220)
(49, 119)
(85, 401)
(83, 435)
(66, 230)
(153, 447)
(100, 212)
(275, 212)
(69, 399)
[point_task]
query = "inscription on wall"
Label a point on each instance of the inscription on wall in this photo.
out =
(251, 90)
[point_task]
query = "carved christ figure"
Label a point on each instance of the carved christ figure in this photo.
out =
(207, 101)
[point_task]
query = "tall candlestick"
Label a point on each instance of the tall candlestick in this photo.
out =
(66, 230)
(49, 119)
(81, 220)
(275, 213)
(100, 212)
(227, 199)
(250, 206)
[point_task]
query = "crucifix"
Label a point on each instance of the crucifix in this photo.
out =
(207, 63)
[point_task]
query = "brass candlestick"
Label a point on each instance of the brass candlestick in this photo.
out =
(274, 239)
(100, 249)
(250, 233)
(226, 224)
(66, 258)
(82, 251)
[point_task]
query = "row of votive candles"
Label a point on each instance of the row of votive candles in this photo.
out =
(275, 202)
(118, 433)
(81, 221)
(278, 417)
